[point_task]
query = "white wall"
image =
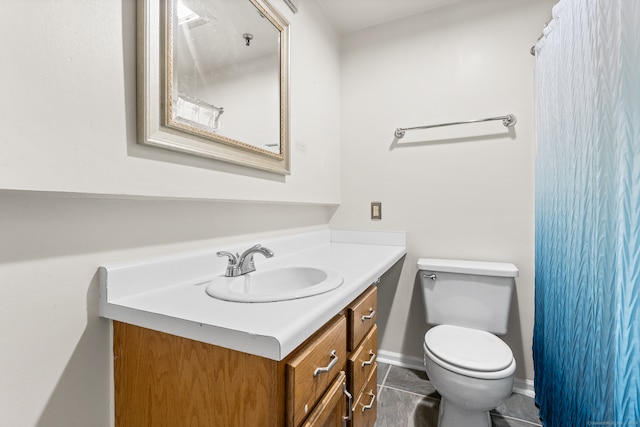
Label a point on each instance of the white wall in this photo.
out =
(76, 191)
(459, 192)
(69, 95)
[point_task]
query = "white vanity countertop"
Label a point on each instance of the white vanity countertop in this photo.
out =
(168, 293)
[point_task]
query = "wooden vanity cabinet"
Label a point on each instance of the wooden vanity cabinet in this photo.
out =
(166, 380)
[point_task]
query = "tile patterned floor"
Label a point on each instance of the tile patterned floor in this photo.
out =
(407, 398)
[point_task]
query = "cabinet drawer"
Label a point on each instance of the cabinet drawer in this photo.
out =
(363, 361)
(365, 409)
(332, 408)
(362, 314)
(313, 368)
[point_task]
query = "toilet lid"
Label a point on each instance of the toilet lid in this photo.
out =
(468, 348)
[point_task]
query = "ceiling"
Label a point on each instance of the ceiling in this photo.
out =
(352, 15)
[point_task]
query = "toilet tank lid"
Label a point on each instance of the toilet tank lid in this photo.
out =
(480, 268)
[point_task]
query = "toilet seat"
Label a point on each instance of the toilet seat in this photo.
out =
(470, 352)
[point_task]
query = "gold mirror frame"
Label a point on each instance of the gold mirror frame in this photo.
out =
(155, 126)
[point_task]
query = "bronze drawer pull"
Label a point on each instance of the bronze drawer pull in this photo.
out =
(334, 360)
(369, 316)
(370, 361)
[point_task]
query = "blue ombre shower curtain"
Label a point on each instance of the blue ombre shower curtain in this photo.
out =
(586, 345)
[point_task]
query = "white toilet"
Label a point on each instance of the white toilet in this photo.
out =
(469, 366)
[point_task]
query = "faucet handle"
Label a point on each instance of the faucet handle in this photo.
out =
(233, 259)
(233, 262)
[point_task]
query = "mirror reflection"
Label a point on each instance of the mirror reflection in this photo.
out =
(224, 73)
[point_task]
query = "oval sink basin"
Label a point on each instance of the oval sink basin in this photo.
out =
(279, 284)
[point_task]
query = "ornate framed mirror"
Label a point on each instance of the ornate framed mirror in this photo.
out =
(213, 80)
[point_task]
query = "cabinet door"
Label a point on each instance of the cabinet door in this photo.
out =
(162, 380)
(332, 408)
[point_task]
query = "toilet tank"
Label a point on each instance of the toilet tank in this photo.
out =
(473, 294)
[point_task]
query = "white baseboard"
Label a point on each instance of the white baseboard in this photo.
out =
(397, 359)
(524, 386)
(520, 386)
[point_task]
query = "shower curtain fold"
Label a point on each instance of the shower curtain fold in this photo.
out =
(587, 317)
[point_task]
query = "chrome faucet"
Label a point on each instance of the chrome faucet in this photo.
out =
(243, 264)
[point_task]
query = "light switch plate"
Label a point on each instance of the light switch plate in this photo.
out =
(376, 211)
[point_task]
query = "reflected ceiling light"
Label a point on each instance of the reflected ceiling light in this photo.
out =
(185, 14)
(192, 18)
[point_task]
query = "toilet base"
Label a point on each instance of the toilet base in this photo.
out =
(457, 416)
